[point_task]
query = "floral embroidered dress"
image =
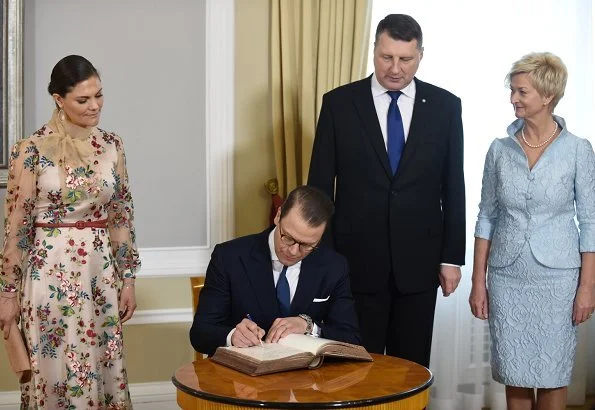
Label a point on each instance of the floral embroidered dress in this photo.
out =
(70, 278)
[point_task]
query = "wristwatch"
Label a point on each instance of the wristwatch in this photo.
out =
(309, 323)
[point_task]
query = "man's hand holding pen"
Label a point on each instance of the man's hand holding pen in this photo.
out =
(247, 334)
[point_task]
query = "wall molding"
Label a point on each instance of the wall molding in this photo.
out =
(220, 117)
(159, 316)
(219, 130)
(156, 392)
(10, 398)
(183, 261)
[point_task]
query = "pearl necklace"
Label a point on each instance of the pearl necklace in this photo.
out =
(544, 142)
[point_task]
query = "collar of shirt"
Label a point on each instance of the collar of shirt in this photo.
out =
(382, 102)
(293, 272)
(378, 89)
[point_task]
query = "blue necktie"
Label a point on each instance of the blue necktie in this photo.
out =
(283, 293)
(395, 134)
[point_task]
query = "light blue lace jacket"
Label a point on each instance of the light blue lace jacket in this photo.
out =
(538, 205)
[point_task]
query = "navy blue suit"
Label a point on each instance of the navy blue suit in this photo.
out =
(239, 281)
(395, 230)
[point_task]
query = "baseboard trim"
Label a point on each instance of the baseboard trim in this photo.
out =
(155, 392)
(10, 398)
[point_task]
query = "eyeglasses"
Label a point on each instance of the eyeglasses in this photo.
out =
(290, 241)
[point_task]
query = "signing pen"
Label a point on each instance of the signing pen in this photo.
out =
(250, 318)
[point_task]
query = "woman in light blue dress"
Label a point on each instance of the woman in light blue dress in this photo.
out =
(540, 267)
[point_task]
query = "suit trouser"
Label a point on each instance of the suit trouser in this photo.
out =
(400, 323)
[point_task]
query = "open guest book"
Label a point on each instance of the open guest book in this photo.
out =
(291, 352)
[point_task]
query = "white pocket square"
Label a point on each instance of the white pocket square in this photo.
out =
(316, 300)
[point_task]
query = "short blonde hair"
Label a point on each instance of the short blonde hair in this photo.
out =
(547, 72)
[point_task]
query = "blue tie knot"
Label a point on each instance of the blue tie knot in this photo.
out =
(394, 94)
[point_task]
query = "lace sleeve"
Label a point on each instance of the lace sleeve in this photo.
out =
(21, 196)
(121, 220)
(489, 209)
(584, 188)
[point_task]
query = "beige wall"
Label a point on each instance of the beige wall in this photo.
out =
(253, 157)
(154, 352)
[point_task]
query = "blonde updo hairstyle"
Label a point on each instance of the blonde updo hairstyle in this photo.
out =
(547, 72)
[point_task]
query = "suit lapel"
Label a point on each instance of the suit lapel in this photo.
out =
(311, 275)
(419, 121)
(259, 270)
(364, 104)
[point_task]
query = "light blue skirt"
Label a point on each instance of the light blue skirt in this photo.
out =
(530, 317)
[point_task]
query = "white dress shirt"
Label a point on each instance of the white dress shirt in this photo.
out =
(382, 102)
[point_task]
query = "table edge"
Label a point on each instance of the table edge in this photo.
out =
(297, 405)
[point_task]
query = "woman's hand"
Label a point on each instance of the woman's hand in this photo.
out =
(478, 300)
(584, 304)
(127, 301)
(9, 311)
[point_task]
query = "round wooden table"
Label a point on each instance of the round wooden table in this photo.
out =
(385, 383)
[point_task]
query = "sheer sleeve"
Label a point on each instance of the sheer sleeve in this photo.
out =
(121, 220)
(19, 229)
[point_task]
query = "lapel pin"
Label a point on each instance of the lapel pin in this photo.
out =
(423, 100)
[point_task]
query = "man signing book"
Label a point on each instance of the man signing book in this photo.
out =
(277, 282)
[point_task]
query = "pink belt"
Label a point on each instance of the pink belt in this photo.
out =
(78, 224)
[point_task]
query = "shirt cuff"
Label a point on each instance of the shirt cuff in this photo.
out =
(228, 339)
(450, 264)
(316, 331)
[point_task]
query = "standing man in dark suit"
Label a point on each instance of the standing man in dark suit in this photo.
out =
(389, 151)
(277, 282)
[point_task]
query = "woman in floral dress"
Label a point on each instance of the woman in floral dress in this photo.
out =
(70, 257)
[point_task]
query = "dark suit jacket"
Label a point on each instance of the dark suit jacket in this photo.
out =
(409, 223)
(239, 281)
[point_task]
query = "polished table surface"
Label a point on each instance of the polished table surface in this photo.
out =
(385, 383)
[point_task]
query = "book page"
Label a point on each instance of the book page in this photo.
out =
(305, 342)
(319, 346)
(267, 351)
